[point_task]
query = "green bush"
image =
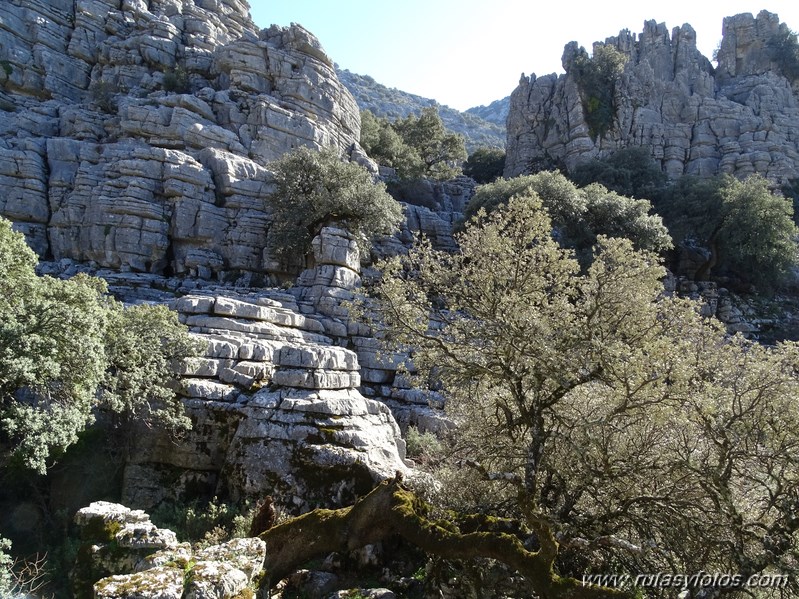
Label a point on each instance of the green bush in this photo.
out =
(748, 229)
(630, 171)
(385, 146)
(416, 146)
(596, 77)
(205, 522)
(177, 81)
(104, 95)
(316, 188)
(485, 165)
(579, 215)
(424, 446)
(67, 348)
(783, 49)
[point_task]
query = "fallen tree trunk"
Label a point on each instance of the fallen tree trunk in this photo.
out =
(392, 509)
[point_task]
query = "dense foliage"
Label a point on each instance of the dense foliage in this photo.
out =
(415, 146)
(629, 171)
(748, 229)
(596, 77)
(315, 188)
(783, 49)
(629, 434)
(485, 165)
(66, 348)
(579, 215)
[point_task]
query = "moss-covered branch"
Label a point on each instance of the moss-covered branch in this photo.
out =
(392, 509)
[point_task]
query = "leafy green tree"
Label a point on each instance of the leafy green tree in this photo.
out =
(630, 172)
(485, 165)
(51, 354)
(142, 344)
(315, 188)
(596, 77)
(416, 146)
(748, 229)
(625, 431)
(384, 145)
(440, 150)
(61, 344)
(579, 215)
(790, 190)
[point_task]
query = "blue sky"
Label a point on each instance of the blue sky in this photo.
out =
(465, 53)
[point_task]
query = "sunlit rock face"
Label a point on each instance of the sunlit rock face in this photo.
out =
(135, 135)
(276, 400)
(738, 118)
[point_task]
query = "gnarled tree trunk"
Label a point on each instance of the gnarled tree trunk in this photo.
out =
(392, 509)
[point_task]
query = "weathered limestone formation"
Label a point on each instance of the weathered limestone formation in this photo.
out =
(135, 135)
(126, 556)
(432, 209)
(275, 400)
(740, 118)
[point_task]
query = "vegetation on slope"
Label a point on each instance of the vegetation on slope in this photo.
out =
(415, 147)
(394, 104)
(625, 431)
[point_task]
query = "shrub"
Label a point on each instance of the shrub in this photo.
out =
(104, 95)
(424, 446)
(630, 171)
(579, 215)
(315, 188)
(177, 81)
(66, 348)
(783, 49)
(485, 165)
(205, 522)
(596, 76)
(748, 229)
(416, 146)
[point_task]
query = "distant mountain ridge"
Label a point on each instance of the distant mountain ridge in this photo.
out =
(496, 112)
(481, 126)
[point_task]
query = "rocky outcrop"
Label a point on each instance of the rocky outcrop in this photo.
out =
(739, 118)
(292, 397)
(125, 556)
(432, 210)
(276, 400)
(135, 135)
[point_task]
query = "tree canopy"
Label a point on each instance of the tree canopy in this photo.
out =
(485, 165)
(749, 230)
(629, 171)
(628, 433)
(317, 187)
(416, 146)
(579, 215)
(67, 348)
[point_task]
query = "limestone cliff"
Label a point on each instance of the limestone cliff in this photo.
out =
(739, 118)
(134, 134)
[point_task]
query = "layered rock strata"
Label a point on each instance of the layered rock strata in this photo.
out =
(741, 117)
(276, 400)
(135, 135)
